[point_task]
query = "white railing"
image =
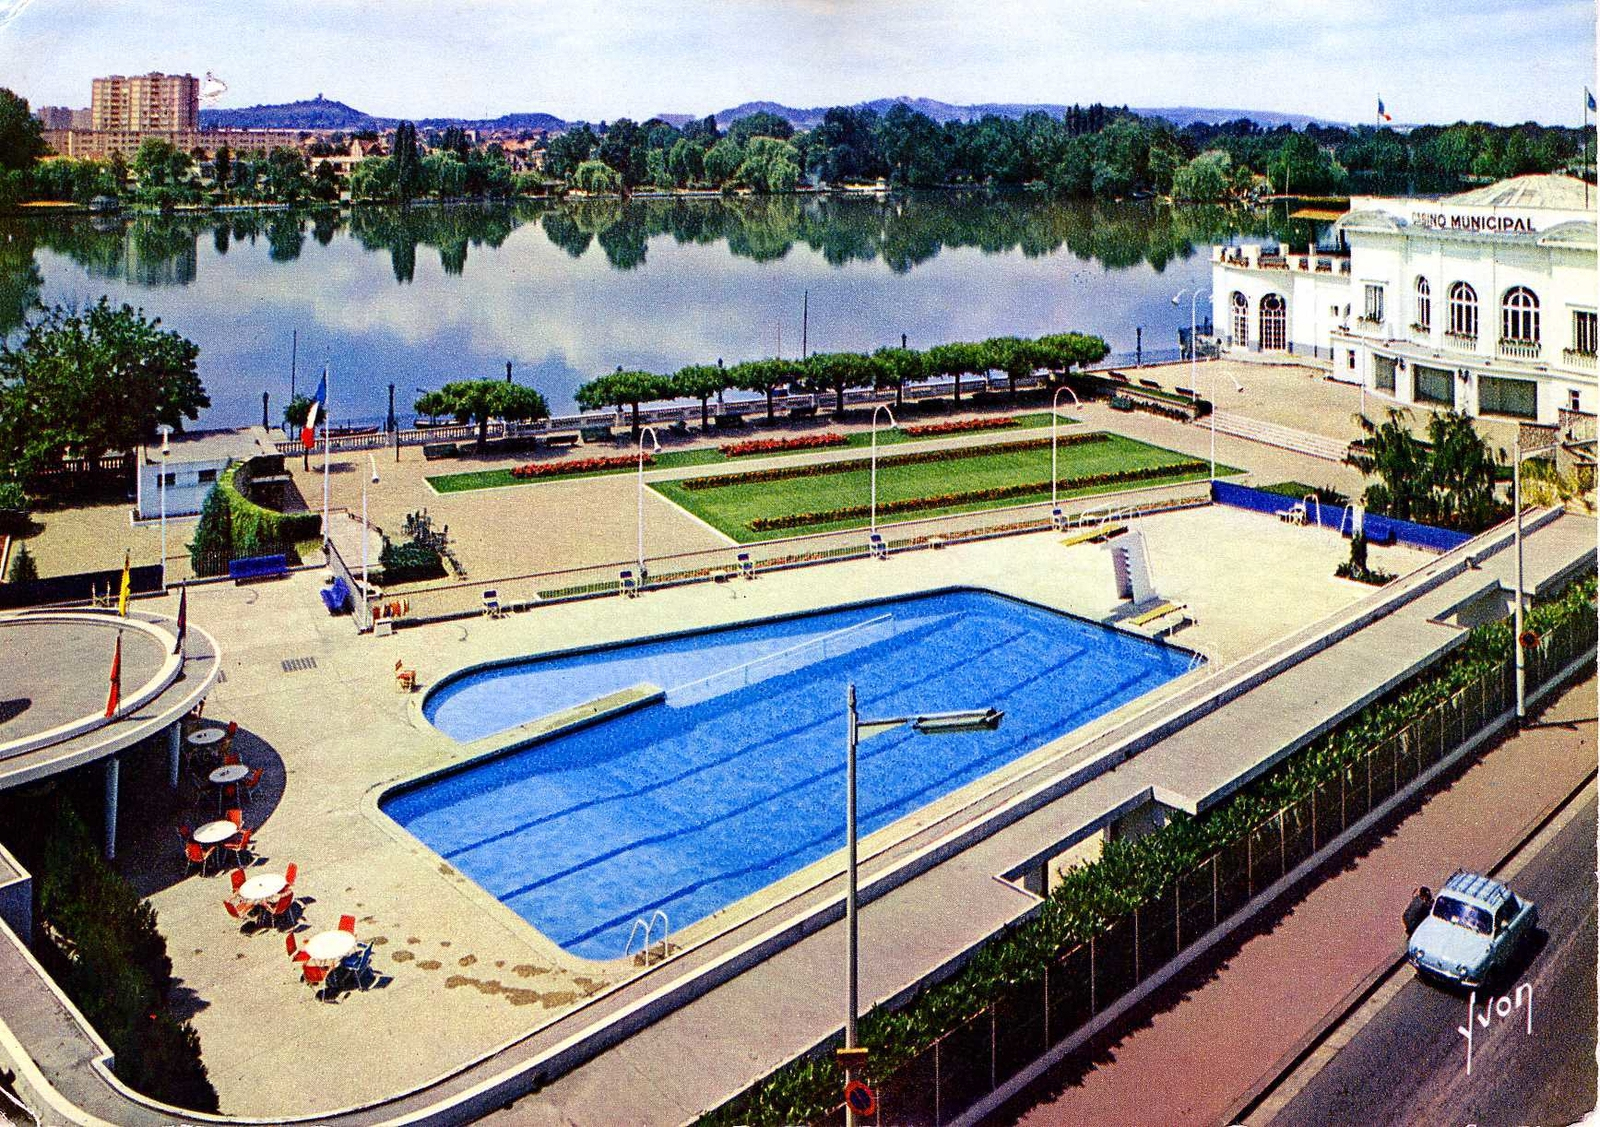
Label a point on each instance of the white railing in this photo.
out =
(1520, 349)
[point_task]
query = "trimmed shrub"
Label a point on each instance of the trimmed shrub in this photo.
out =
(212, 545)
(409, 561)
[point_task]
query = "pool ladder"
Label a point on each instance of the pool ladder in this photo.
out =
(647, 925)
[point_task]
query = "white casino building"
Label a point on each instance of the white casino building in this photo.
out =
(1482, 301)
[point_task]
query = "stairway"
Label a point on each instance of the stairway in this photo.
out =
(1272, 434)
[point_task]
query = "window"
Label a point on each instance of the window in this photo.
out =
(1352, 364)
(1241, 319)
(1574, 400)
(1519, 316)
(1433, 385)
(1500, 396)
(169, 479)
(1274, 324)
(1585, 331)
(1373, 309)
(1383, 373)
(206, 476)
(1424, 319)
(1463, 310)
(1462, 914)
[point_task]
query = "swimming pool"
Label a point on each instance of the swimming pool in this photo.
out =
(736, 779)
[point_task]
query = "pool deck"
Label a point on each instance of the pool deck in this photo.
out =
(1259, 590)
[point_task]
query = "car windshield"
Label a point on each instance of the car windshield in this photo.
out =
(1469, 916)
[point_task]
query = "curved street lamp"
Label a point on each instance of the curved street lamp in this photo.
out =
(1194, 389)
(655, 445)
(884, 407)
(1055, 419)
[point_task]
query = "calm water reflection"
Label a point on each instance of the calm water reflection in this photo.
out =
(566, 292)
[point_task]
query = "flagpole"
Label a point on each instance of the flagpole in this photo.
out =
(327, 529)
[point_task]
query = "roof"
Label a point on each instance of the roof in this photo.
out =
(1489, 893)
(1561, 193)
(213, 446)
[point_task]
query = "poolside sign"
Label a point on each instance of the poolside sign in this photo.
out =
(859, 1098)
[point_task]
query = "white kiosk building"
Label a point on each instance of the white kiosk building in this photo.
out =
(1483, 302)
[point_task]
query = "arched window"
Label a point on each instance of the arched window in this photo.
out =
(1241, 319)
(1519, 316)
(1424, 299)
(1274, 327)
(1463, 310)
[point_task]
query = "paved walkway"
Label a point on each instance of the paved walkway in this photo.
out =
(1276, 986)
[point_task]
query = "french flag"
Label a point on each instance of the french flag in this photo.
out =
(319, 403)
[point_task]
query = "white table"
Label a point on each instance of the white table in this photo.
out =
(215, 833)
(228, 773)
(262, 886)
(202, 737)
(329, 946)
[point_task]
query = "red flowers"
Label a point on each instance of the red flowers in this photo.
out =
(960, 426)
(578, 465)
(779, 445)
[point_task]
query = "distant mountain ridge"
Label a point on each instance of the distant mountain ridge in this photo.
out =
(325, 113)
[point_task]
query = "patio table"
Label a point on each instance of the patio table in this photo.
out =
(202, 737)
(228, 773)
(330, 946)
(215, 833)
(262, 887)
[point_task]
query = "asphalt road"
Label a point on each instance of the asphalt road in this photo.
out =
(1408, 1065)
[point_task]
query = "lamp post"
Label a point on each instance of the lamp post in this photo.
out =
(1517, 454)
(1054, 420)
(161, 488)
(373, 463)
(884, 407)
(1194, 353)
(654, 446)
(929, 724)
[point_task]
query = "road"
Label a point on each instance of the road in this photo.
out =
(1408, 1063)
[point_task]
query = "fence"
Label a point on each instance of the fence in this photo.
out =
(360, 610)
(726, 564)
(80, 587)
(1379, 529)
(968, 1063)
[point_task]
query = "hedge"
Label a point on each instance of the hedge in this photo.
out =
(850, 465)
(995, 493)
(258, 529)
(1128, 875)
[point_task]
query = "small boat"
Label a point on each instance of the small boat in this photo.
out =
(351, 432)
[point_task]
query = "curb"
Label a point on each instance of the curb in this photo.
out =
(1252, 1099)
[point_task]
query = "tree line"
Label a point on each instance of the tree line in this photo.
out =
(836, 373)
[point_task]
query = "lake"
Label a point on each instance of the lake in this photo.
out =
(567, 291)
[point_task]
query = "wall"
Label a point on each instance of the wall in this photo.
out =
(1379, 529)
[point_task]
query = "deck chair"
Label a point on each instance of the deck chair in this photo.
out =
(491, 603)
(747, 567)
(876, 545)
(1058, 520)
(405, 680)
(630, 586)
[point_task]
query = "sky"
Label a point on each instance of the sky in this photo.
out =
(1430, 60)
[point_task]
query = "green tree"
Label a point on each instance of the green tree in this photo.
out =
(23, 567)
(723, 160)
(82, 383)
(955, 360)
(760, 124)
(896, 366)
(1061, 352)
(685, 162)
(373, 179)
(325, 182)
(1208, 178)
(838, 372)
(765, 377)
(596, 178)
(1016, 357)
(478, 401)
(21, 135)
(1448, 480)
(409, 178)
(700, 381)
(770, 165)
(286, 178)
(619, 389)
(568, 150)
(159, 163)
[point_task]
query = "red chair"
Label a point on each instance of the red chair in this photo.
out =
(236, 816)
(239, 846)
(251, 782)
(234, 911)
(347, 923)
(233, 728)
(198, 855)
(279, 908)
(289, 874)
(230, 759)
(291, 947)
(237, 878)
(313, 975)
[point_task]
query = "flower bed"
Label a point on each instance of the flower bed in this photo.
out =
(579, 465)
(997, 493)
(783, 445)
(850, 465)
(960, 426)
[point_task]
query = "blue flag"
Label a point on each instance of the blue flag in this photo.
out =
(1588, 97)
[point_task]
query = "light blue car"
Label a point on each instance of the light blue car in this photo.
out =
(1475, 927)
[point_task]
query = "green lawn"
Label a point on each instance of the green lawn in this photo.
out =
(712, 455)
(731, 508)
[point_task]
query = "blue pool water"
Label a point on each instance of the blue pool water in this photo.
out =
(737, 778)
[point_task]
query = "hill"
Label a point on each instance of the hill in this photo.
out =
(315, 113)
(947, 111)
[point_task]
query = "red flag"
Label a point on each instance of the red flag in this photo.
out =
(183, 618)
(115, 698)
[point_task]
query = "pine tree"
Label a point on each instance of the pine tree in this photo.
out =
(212, 546)
(23, 567)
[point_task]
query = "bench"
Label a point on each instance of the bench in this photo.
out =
(563, 438)
(1151, 384)
(258, 567)
(336, 596)
(432, 451)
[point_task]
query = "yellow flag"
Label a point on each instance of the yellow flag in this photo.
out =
(122, 595)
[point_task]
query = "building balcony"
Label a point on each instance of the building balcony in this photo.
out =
(1421, 334)
(1519, 349)
(1461, 342)
(1575, 358)
(1369, 325)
